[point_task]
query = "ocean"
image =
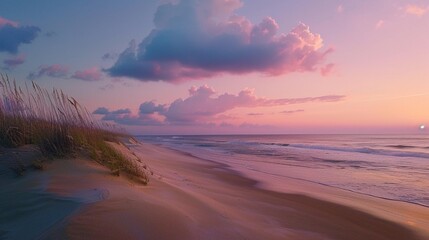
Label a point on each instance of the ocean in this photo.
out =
(392, 167)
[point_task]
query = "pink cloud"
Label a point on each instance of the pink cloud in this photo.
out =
(204, 105)
(4, 21)
(327, 69)
(215, 40)
(14, 61)
(340, 8)
(55, 71)
(416, 10)
(91, 74)
(379, 24)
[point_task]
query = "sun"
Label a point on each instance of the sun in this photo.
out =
(422, 127)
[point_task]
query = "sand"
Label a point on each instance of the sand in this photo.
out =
(189, 198)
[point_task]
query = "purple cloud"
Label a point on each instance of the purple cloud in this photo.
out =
(150, 108)
(55, 71)
(101, 111)
(90, 75)
(14, 61)
(125, 117)
(107, 87)
(202, 106)
(196, 39)
(109, 56)
(112, 115)
(121, 111)
(292, 111)
(50, 34)
(12, 35)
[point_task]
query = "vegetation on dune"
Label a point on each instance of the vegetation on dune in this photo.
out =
(59, 126)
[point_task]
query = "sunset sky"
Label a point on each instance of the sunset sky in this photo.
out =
(228, 66)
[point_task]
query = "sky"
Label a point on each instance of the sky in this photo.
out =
(228, 66)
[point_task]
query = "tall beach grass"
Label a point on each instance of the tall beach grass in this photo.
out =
(58, 125)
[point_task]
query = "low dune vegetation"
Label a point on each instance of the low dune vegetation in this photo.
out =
(60, 127)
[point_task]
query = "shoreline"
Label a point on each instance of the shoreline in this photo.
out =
(324, 192)
(190, 198)
(262, 185)
(360, 193)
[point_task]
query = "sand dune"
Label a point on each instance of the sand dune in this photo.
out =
(189, 198)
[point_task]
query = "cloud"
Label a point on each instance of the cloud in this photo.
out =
(416, 10)
(255, 114)
(327, 69)
(55, 71)
(202, 106)
(107, 87)
(125, 117)
(109, 56)
(50, 34)
(282, 112)
(292, 111)
(121, 111)
(379, 24)
(90, 74)
(150, 108)
(112, 115)
(202, 38)
(61, 71)
(121, 116)
(340, 8)
(12, 35)
(4, 21)
(14, 61)
(101, 111)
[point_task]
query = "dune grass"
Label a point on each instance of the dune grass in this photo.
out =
(58, 125)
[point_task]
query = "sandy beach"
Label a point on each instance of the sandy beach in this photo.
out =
(214, 120)
(190, 198)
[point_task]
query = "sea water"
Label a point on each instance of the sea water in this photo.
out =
(394, 167)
